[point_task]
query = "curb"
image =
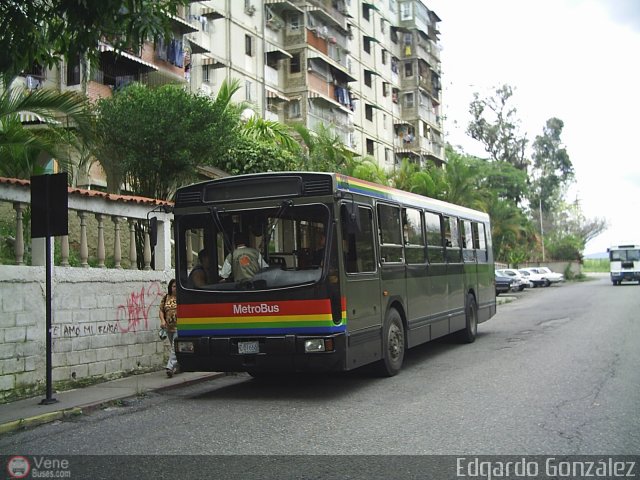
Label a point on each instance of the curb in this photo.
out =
(30, 422)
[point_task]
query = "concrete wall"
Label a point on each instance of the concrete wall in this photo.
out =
(105, 323)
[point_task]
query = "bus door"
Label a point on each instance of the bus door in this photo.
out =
(418, 307)
(486, 293)
(437, 285)
(469, 257)
(455, 273)
(361, 286)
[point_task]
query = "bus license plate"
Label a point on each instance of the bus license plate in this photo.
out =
(248, 347)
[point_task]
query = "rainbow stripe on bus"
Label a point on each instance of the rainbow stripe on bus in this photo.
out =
(259, 318)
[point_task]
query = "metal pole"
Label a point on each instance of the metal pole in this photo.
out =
(49, 398)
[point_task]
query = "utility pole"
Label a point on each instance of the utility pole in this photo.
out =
(541, 227)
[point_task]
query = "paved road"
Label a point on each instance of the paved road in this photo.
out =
(555, 372)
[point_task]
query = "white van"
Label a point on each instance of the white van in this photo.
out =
(624, 263)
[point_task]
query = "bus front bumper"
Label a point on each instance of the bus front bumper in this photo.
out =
(628, 276)
(275, 353)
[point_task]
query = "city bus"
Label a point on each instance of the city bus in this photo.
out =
(624, 261)
(356, 273)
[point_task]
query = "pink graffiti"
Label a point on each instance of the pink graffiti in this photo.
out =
(131, 315)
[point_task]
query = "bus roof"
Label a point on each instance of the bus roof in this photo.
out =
(355, 185)
(347, 184)
(624, 247)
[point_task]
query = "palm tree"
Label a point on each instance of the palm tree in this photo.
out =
(261, 129)
(21, 148)
(325, 151)
(462, 180)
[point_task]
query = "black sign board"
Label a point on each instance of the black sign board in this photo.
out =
(49, 206)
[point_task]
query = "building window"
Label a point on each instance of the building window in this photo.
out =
(247, 91)
(294, 63)
(409, 100)
(384, 121)
(383, 26)
(207, 74)
(73, 71)
(369, 146)
(294, 22)
(294, 109)
(386, 89)
(366, 44)
(408, 69)
(366, 12)
(384, 57)
(368, 81)
(368, 112)
(248, 45)
(406, 11)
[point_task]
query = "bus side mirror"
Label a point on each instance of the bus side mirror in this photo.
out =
(153, 231)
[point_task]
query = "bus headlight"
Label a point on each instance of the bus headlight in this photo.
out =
(314, 345)
(185, 347)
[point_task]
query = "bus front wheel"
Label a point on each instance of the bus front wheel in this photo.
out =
(468, 335)
(392, 344)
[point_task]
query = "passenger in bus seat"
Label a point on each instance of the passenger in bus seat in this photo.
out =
(244, 262)
(318, 254)
(199, 275)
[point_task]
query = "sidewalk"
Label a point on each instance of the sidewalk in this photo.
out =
(29, 413)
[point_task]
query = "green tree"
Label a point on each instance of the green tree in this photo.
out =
(324, 151)
(509, 229)
(462, 181)
(22, 149)
(152, 140)
(495, 124)
(552, 167)
(251, 155)
(45, 32)
(570, 231)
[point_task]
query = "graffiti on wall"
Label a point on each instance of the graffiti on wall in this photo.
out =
(131, 316)
(134, 313)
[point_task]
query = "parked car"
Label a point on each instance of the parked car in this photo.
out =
(553, 277)
(503, 283)
(521, 281)
(535, 277)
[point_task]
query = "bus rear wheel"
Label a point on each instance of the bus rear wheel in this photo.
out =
(468, 335)
(393, 346)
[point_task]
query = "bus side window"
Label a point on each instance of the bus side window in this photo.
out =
(452, 239)
(358, 247)
(435, 250)
(413, 236)
(479, 243)
(468, 252)
(391, 236)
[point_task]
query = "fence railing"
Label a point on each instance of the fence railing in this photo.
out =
(105, 230)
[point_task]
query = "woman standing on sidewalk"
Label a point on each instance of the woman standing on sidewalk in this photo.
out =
(168, 321)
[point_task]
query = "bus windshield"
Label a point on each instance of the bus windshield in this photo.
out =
(281, 246)
(624, 255)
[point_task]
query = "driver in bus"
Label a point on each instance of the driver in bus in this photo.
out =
(244, 262)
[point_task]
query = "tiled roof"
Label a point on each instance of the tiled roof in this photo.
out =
(94, 193)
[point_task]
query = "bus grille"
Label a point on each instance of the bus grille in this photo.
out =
(318, 187)
(187, 198)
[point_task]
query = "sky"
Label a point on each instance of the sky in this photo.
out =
(577, 60)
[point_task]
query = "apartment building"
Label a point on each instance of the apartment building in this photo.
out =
(370, 69)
